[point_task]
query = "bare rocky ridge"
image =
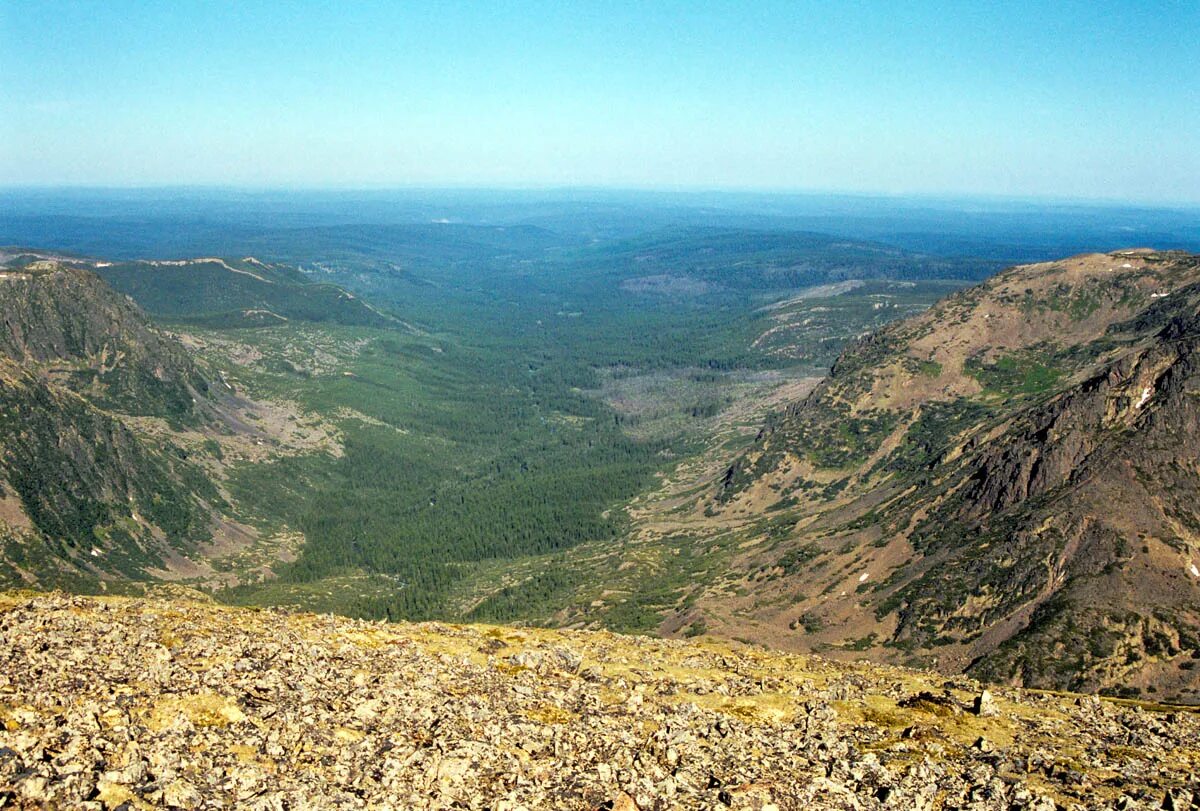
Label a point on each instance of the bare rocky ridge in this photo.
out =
(117, 703)
(1005, 484)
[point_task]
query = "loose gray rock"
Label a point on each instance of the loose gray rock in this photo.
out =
(985, 705)
(108, 703)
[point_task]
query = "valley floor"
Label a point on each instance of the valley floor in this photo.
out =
(144, 703)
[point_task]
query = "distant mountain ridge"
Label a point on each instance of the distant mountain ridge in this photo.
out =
(749, 259)
(236, 292)
(1006, 483)
(221, 292)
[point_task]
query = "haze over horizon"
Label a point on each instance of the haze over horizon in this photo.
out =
(1021, 101)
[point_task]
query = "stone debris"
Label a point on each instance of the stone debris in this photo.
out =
(111, 703)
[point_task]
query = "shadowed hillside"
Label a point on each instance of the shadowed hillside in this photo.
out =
(112, 438)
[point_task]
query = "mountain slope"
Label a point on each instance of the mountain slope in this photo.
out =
(84, 496)
(83, 493)
(110, 437)
(1006, 483)
(92, 340)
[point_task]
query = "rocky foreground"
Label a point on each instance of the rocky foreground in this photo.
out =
(119, 703)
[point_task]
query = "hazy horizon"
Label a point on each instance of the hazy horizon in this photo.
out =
(551, 191)
(1073, 103)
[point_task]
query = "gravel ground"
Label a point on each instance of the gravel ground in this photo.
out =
(120, 703)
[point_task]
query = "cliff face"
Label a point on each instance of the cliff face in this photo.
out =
(1007, 484)
(154, 703)
(87, 337)
(82, 495)
(1081, 516)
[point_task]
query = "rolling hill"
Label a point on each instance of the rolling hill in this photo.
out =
(235, 292)
(711, 259)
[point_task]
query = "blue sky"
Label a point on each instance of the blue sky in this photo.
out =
(1092, 100)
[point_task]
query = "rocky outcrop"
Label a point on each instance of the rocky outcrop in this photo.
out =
(117, 703)
(1012, 475)
(66, 321)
